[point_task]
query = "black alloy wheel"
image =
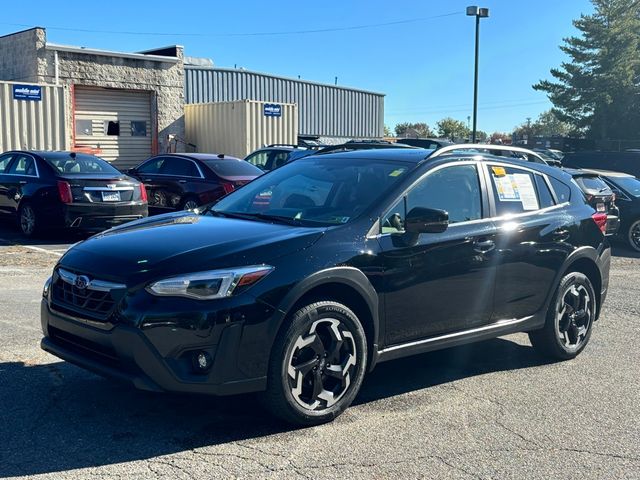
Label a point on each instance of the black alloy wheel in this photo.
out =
(569, 320)
(318, 364)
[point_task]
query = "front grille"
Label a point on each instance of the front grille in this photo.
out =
(91, 302)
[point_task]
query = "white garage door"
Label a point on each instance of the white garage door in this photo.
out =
(116, 123)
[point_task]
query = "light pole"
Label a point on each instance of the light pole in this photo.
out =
(478, 13)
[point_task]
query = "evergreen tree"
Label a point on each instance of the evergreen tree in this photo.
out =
(597, 92)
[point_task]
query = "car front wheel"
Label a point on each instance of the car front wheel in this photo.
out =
(317, 364)
(569, 319)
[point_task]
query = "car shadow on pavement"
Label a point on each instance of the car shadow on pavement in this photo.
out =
(56, 417)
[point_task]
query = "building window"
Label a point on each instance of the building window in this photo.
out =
(112, 128)
(84, 127)
(138, 128)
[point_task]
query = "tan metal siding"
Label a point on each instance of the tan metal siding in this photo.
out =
(100, 105)
(33, 125)
(238, 128)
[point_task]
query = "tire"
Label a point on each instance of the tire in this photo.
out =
(633, 235)
(27, 220)
(317, 364)
(570, 318)
(189, 203)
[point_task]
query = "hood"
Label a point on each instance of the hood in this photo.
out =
(184, 242)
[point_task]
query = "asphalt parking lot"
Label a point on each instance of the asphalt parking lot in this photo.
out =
(489, 410)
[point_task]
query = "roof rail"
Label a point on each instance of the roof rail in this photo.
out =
(283, 145)
(484, 146)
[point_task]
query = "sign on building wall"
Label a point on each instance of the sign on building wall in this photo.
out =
(272, 110)
(27, 92)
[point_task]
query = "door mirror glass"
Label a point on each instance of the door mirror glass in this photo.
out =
(426, 220)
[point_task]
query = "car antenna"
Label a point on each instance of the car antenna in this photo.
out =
(72, 154)
(221, 155)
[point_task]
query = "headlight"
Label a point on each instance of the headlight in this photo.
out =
(210, 285)
(45, 289)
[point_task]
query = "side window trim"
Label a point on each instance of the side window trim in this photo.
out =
(484, 197)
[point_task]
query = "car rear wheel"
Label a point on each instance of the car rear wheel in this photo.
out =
(317, 364)
(27, 220)
(633, 235)
(190, 204)
(569, 320)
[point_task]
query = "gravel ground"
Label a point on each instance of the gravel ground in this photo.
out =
(489, 410)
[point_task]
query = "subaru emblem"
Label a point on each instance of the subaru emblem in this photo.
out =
(111, 186)
(81, 282)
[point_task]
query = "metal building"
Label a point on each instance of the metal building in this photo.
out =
(327, 111)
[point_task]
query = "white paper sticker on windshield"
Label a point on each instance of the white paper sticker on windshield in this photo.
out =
(527, 192)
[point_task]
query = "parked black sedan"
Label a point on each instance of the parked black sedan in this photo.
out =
(67, 189)
(186, 181)
(627, 191)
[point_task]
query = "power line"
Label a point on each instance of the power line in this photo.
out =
(243, 34)
(506, 103)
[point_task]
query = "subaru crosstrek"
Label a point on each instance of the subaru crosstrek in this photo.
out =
(301, 281)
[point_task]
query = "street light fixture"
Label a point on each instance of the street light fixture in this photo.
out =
(478, 13)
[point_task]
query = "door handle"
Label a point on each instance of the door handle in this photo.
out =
(484, 245)
(23, 182)
(560, 234)
(147, 180)
(182, 181)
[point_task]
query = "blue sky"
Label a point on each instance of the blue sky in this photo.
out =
(424, 65)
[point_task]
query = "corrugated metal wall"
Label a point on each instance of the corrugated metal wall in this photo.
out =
(33, 125)
(325, 110)
(238, 128)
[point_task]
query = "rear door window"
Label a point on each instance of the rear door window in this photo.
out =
(23, 165)
(5, 160)
(259, 159)
(514, 190)
(152, 166)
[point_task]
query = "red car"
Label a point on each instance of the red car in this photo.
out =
(184, 181)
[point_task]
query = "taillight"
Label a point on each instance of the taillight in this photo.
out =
(228, 187)
(601, 221)
(143, 193)
(64, 190)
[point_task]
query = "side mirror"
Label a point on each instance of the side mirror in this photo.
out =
(426, 220)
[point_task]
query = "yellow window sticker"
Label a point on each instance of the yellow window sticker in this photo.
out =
(397, 172)
(499, 171)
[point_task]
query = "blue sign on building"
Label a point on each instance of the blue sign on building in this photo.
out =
(27, 92)
(272, 110)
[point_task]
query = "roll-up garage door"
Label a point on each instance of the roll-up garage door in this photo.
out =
(116, 124)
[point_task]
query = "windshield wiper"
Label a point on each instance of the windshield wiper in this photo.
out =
(260, 216)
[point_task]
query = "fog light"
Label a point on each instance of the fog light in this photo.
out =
(202, 361)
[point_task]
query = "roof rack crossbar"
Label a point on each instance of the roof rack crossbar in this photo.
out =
(481, 146)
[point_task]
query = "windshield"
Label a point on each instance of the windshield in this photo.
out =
(630, 184)
(81, 164)
(314, 191)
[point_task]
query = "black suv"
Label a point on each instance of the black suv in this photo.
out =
(303, 280)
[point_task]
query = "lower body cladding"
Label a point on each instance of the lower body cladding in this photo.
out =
(95, 216)
(168, 355)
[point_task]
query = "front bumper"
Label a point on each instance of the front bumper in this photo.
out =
(132, 355)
